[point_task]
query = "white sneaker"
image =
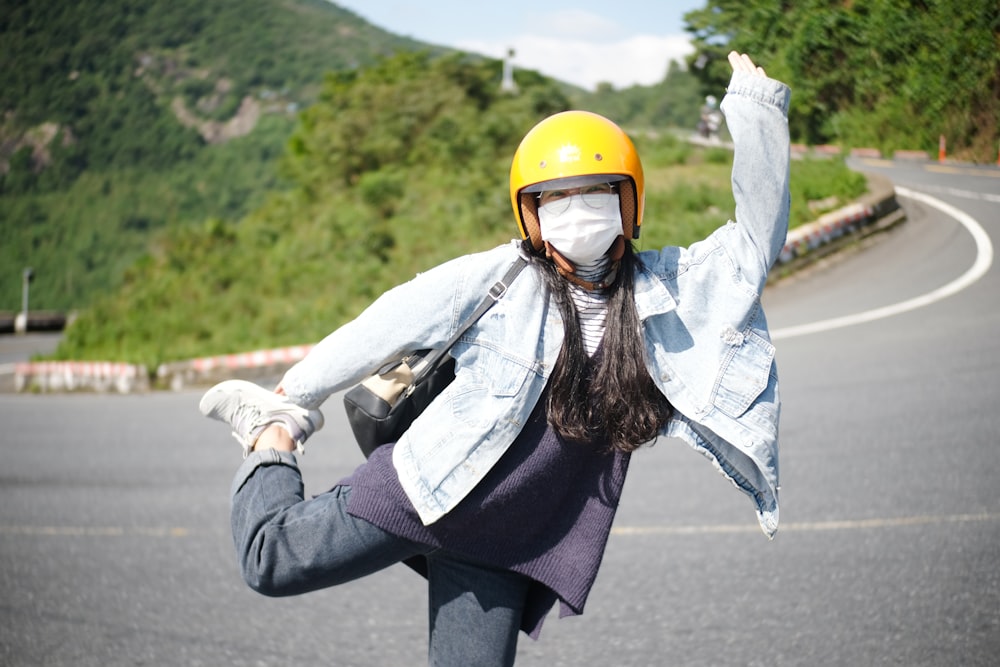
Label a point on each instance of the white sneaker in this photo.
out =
(249, 409)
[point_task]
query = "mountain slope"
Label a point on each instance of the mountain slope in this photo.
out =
(120, 118)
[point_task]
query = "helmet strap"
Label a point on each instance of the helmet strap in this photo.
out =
(617, 250)
(562, 264)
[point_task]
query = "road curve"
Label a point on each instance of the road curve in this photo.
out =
(114, 546)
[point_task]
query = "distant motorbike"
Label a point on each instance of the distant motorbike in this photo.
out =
(711, 119)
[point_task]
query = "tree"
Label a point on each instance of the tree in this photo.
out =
(886, 73)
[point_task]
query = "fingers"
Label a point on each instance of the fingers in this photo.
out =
(741, 62)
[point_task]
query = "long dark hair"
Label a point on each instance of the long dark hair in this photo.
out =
(615, 397)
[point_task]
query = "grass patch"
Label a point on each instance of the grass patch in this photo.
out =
(686, 200)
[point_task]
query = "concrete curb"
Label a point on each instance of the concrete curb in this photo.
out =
(98, 376)
(209, 370)
(874, 212)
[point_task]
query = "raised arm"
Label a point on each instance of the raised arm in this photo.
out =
(756, 110)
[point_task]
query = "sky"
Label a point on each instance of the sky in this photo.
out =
(623, 42)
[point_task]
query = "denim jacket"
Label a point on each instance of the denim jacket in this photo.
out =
(707, 345)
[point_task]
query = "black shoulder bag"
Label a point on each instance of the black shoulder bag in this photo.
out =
(382, 406)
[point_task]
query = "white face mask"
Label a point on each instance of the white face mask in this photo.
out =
(582, 233)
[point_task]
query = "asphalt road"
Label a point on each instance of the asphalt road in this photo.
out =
(114, 546)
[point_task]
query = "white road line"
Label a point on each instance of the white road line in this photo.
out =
(984, 259)
(964, 194)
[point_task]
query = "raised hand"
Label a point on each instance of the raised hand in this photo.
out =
(741, 62)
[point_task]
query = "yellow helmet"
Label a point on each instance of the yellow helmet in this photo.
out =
(571, 149)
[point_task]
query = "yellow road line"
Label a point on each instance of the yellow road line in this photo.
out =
(936, 168)
(810, 526)
(872, 162)
(945, 169)
(93, 531)
(793, 527)
(940, 169)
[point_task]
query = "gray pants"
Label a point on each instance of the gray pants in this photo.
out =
(287, 545)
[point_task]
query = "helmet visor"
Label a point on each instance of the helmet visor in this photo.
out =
(571, 182)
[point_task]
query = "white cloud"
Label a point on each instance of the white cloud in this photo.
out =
(622, 42)
(636, 60)
(578, 24)
(584, 48)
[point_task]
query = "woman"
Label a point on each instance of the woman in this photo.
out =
(504, 490)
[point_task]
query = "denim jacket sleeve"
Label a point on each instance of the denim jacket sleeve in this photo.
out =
(705, 331)
(420, 313)
(756, 111)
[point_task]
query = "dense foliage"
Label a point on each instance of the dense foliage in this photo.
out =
(395, 169)
(106, 71)
(893, 74)
(94, 156)
(139, 176)
(674, 102)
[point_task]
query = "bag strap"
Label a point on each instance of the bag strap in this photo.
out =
(436, 356)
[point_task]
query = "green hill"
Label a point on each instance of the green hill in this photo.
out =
(120, 118)
(394, 169)
(123, 120)
(204, 178)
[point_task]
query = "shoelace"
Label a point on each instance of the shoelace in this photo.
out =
(250, 415)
